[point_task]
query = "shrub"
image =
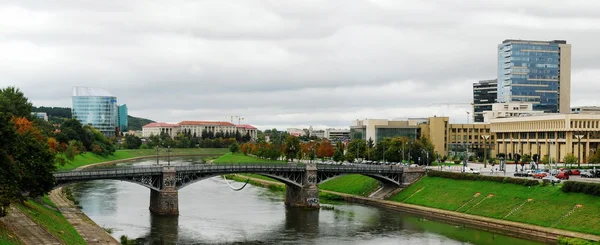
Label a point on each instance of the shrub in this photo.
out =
(457, 161)
(581, 187)
(574, 241)
(461, 176)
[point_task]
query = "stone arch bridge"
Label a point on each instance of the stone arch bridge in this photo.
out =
(301, 180)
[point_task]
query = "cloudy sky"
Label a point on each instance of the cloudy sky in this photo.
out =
(283, 63)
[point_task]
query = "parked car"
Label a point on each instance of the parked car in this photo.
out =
(575, 172)
(562, 175)
(471, 171)
(530, 172)
(551, 179)
(521, 174)
(587, 174)
(540, 175)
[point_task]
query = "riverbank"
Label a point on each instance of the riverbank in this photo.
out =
(89, 158)
(511, 228)
(545, 206)
(85, 227)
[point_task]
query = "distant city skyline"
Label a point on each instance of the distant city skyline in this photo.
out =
(299, 64)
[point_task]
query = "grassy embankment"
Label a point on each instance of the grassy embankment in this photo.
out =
(51, 220)
(7, 237)
(352, 184)
(545, 206)
(88, 158)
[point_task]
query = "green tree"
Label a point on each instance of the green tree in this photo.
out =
(338, 156)
(133, 142)
(570, 159)
(13, 102)
(292, 147)
(26, 160)
(594, 158)
(370, 143)
(234, 148)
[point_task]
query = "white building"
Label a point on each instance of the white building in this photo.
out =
(586, 110)
(41, 115)
(296, 132)
(197, 128)
(506, 110)
(248, 129)
(337, 134)
(378, 129)
(157, 128)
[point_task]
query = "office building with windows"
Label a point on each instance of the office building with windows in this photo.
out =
(484, 95)
(378, 129)
(535, 71)
(122, 119)
(96, 107)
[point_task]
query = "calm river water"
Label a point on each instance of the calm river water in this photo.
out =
(210, 212)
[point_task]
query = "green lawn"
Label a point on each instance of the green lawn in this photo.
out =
(52, 221)
(88, 158)
(548, 206)
(354, 184)
(7, 237)
(241, 158)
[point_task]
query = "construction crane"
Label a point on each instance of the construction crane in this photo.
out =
(239, 118)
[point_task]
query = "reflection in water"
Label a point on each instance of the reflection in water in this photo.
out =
(211, 213)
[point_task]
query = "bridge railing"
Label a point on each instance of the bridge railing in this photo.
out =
(240, 168)
(115, 172)
(360, 169)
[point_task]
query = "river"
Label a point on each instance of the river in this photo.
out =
(210, 212)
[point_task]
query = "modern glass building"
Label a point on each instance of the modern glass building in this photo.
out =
(535, 71)
(378, 129)
(96, 107)
(122, 121)
(484, 95)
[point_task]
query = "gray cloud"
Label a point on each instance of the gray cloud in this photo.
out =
(283, 63)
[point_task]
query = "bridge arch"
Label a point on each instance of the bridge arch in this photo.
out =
(186, 180)
(394, 179)
(145, 183)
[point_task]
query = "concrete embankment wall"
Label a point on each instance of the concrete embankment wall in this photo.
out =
(515, 229)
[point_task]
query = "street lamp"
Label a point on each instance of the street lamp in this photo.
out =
(157, 154)
(383, 145)
(485, 138)
(427, 154)
(403, 148)
(579, 136)
(169, 155)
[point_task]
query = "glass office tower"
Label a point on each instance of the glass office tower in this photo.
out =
(96, 107)
(484, 95)
(538, 72)
(122, 119)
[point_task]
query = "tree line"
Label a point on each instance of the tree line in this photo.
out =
(397, 149)
(188, 139)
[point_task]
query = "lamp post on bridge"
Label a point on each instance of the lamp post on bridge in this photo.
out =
(157, 155)
(169, 155)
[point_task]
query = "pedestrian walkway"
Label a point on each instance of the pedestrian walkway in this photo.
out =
(89, 231)
(28, 231)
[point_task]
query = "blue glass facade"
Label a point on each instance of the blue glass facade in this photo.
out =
(95, 109)
(529, 71)
(122, 118)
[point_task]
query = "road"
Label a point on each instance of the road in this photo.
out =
(510, 170)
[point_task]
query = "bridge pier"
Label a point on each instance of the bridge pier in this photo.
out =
(306, 196)
(166, 201)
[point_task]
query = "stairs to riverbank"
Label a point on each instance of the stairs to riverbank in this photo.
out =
(517, 208)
